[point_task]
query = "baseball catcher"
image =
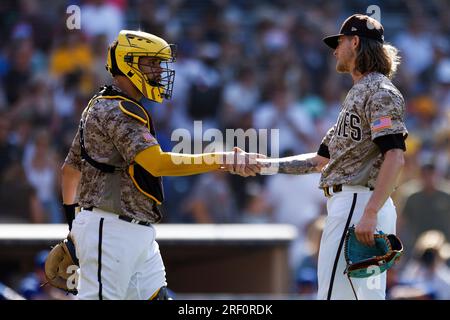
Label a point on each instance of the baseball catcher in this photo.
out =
(114, 170)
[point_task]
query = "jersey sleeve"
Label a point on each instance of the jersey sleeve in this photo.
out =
(323, 148)
(128, 135)
(326, 139)
(74, 156)
(385, 112)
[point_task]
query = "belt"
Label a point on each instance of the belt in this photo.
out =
(330, 191)
(126, 218)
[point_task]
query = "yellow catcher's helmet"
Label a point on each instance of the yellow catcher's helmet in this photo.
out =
(123, 58)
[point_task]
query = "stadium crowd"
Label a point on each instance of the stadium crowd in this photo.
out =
(240, 64)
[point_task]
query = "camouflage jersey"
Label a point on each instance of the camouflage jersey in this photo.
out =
(372, 108)
(111, 137)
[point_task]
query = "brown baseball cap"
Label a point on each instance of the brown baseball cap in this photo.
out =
(357, 25)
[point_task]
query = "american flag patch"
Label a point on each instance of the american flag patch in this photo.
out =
(382, 123)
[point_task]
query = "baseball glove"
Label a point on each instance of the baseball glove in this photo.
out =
(359, 257)
(59, 260)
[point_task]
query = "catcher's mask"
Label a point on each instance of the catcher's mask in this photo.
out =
(125, 58)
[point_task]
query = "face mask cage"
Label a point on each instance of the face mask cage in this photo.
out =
(166, 76)
(167, 79)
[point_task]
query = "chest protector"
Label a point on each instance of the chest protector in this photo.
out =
(144, 181)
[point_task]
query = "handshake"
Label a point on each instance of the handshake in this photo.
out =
(246, 164)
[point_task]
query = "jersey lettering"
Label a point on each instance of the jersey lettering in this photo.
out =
(349, 123)
(355, 123)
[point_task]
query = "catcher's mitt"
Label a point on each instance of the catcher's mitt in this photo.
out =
(57, 265)
(359, 257)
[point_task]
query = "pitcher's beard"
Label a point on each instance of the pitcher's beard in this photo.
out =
(341, 67)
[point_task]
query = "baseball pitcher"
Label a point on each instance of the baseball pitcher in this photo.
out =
(360, 157)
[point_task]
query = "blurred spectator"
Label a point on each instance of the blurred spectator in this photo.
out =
(314, 56)
(64, 96)
(426, 276)
(306, 270)
(176, 193)
(417, 47)
(9, 153)
(255, 209)
(72, 54)
(426, 209)
(32, 286)
(443, 151)
(152, 16)
(40, 163)
(186, 70)
(272, 33)
(38, 105)
(19, 72)
(295, 200)
(241, 97)
(331, 93)
(19, 202)
(283, 113)
(211, 200)
(99, 73)
(101, 17)
(206, 89)
(21, 132)
(442, 88)
(424, 111)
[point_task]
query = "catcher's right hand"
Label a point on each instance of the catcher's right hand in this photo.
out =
(60, 265)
